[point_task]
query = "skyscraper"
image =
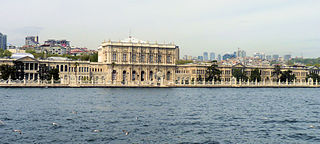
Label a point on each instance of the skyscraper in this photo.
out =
(275, 57)
(287, 57)
(205, 56)
(3, 41)
(212, 56)
(200, 58)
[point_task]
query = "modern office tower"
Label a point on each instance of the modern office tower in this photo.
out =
(219, 57)
(205, 56)
(200, 58)
(32, 40)
(287, 57)
(259, 55)
(229, 56)
(241, 53)
(3, 41)
(269, 57)
(185, 57)
(275, 57)
(212, 56)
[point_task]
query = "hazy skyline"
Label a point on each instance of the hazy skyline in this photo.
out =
(220, 26)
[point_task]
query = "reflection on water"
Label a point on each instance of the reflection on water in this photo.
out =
(160, 115)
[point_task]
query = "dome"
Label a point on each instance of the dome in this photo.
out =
(21, 55)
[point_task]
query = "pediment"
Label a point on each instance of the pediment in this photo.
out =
(238, 65)
(314, 68)
(28, 59)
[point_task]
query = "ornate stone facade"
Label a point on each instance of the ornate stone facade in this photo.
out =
(132, 62)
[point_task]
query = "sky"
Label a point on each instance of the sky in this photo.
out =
(220, 26)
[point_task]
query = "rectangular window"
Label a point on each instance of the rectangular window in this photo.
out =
(134, 57)
(114, 57)
(36, 66)
(124, 58)
(31, 66)
(159, 58)
(27, 66)
(168, 59)
(151, 58)
(142, 58)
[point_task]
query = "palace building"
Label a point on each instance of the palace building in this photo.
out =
(132, 62)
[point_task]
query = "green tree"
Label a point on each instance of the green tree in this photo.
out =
(30, 50)
(287, 75)
(53, 73)
(94, 57)
(239, 73)
(7, 53)
(7, 71)
(315, 77)
(213, 72)
(277, 71)
(255, 75)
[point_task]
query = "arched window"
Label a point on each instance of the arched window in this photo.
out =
(124, 75)
(114, 75)
(142, 76)
(151, 76)
(168, 75)
(134, 75)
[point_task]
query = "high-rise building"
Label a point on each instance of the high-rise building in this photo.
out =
(259, 55)
(241, 53)
(287, 57)
(219, 57)
(185, 57)
(269, 57)
(200, 58)
(229, 56)
(32, 40)
(212, 56)
(205, 56)
(275, 57)
(3, 41)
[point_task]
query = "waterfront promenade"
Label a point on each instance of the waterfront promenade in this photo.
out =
(199, 84)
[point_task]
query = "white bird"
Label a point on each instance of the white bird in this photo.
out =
(1, 122)
(55, 124)
(96, 131)
(126, 132)
(18, 131)
(311, 126)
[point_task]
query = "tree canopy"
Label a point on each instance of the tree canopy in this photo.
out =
(239, 74)
(5, 53)
(314, 77)
(213, 72)
(255, 75)
(287, 75)
(277, 71)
